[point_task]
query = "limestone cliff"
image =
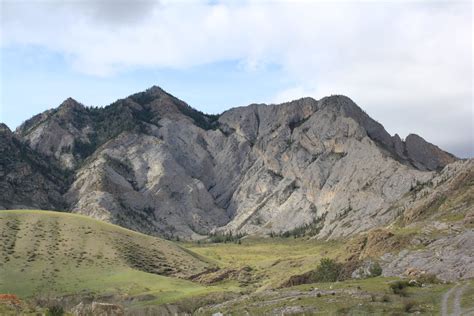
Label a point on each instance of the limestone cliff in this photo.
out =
(152, 163)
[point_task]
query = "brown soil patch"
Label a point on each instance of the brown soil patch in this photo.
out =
(374, 244)
(243, 275)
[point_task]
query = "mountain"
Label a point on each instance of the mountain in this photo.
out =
(153, 164)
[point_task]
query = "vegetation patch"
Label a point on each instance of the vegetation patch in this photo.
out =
(328, 270)
(226, 238)
(307, 230)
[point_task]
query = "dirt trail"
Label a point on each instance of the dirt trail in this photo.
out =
(457, 291)
(457, 300)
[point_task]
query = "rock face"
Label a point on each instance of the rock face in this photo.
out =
(449, 191)
(152, 163)
(55, 133)
(425, 155)
(449, 258)
(27, 179)
(443, 248)
(97, 308)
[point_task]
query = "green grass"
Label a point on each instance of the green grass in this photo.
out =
(452, 217)
(354, 297)
(102, 281)
(50, 253)
(467, 301)
(273, 260)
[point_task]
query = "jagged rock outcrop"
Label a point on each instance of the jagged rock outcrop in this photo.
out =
(414, 150)
(425, 155)
(135, 181)
(450, 191)
(450, 258)
(57, 132)
(438, 239)
(152, 163)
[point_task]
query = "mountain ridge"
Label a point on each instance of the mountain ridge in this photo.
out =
(152, 163)
(375, 130)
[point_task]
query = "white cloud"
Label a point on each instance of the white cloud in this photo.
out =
(404, 62)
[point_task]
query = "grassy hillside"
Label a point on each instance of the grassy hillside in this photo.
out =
(272, 260)
(59, 253)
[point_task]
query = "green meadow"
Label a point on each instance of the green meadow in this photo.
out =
(54, 254)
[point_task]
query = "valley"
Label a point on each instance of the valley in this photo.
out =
(65, 259)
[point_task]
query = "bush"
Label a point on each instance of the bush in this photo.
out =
(399, 287)
(428, 278)
(375, 270)
(409, 306)
(225, 238)
(310, 229)
(328, 270)
(55, 310)
(84, 149)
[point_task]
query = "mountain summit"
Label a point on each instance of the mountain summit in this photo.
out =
(152, 163)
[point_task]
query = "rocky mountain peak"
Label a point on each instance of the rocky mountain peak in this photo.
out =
(425, 154)
(70, 103)
(155, 104)
(338, 101)
(155, 91)
(69, 109)
(414, 151)
(149, 96)
(4, 129)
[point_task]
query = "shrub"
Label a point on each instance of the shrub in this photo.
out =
(311, 229)
(225, 238)
(409, 306)
(55, 310)
(399, 287)
(428, 278)
(84, 149)
(375, 270)
(328, 270)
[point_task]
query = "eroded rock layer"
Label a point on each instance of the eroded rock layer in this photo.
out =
(151, 163)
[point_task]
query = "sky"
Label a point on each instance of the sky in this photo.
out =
(408, 64)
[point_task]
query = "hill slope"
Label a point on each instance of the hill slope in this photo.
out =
(50, 252)
(27, 178)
